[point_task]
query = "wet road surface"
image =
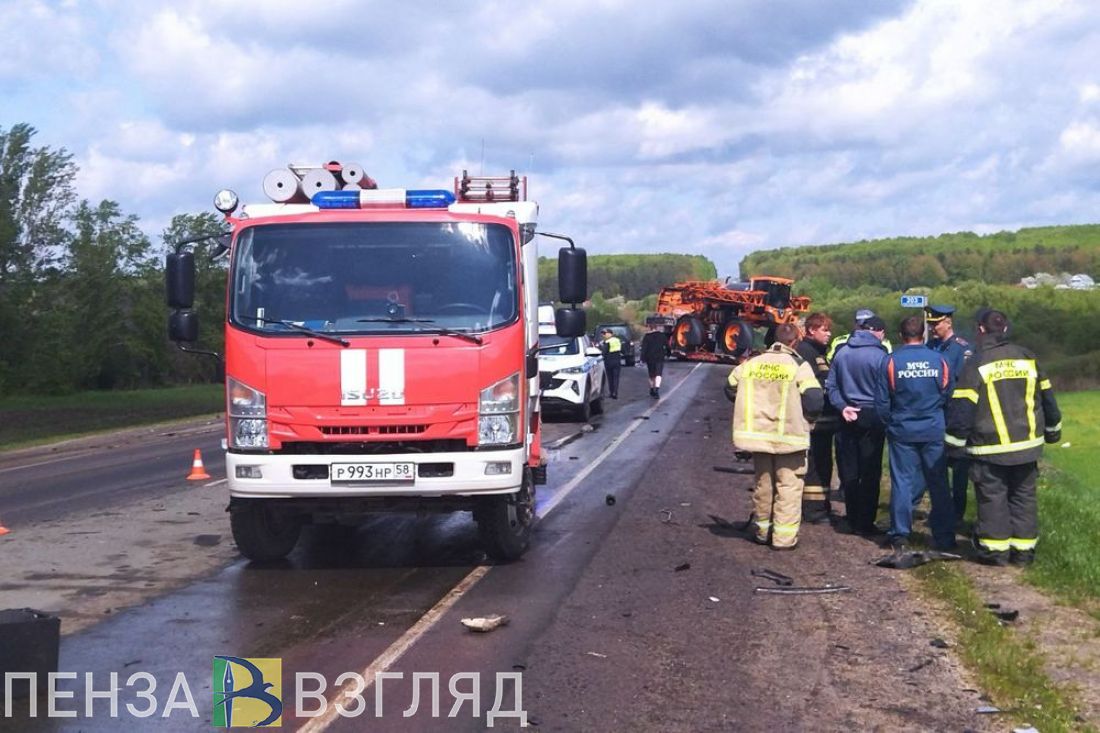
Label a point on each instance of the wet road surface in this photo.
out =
(345, 596)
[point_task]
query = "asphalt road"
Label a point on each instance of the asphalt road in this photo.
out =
(634, 609)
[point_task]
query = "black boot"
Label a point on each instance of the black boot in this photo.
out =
(1022, 558)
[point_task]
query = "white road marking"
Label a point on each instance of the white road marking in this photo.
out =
(215, 483)
(396, 650)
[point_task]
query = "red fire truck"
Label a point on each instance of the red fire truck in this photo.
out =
(380, 353)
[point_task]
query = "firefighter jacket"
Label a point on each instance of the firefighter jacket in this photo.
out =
(911, 391)
(776, 397)
(855, 370)
(1003, 407)
(814, 354)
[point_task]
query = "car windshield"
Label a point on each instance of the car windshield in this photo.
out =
(374, 277)
(557, 346)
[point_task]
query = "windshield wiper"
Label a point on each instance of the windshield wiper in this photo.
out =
(304, 329)
(442, 330)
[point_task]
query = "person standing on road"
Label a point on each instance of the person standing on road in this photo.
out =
(862, 316)
(851, 385)
(956, 350)
(612, 349)
(1000, 403)
(910, 396)
(819, 468)
(653, 354)
(775, 395)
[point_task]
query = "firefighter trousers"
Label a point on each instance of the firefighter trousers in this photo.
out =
(819, 476)
(1008, 518)
(777, 500)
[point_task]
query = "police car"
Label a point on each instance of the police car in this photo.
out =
(571, 374)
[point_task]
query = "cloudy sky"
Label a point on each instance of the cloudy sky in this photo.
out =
(645, 126)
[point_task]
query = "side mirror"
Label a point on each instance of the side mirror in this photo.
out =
(572, 275)
(593, 351)
(183, 326)
(570, 322)
(179, 278)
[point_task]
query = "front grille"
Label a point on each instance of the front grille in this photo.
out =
(373, 429)
(376, 447)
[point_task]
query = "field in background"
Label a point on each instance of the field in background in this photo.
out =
(26, 420)
(1069, 504)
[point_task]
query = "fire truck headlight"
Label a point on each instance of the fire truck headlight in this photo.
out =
(247, 408)
(496, 430)
(498, 412)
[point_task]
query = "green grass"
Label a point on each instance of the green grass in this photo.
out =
(28, 420)
(1008, 666)
(1069, 505)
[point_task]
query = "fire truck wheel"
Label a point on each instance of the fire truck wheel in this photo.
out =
(263, 533)
(505, 522)
(688, 332)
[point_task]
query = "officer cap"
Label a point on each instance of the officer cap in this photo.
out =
(934, 313)
(863, 314)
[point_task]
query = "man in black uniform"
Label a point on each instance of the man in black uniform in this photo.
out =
(956, 350)
(819, 470)
(1001, 403)
(653, 354)
(612, 360)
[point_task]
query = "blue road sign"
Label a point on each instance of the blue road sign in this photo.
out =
(914, 301)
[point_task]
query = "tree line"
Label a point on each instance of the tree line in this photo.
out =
(82, 287)
(631, 276)
(900, 263)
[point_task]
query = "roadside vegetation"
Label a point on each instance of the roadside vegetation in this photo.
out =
(1069, 507)
(1009, 668)
(26, 420)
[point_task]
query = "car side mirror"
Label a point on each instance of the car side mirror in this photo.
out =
(593, 351)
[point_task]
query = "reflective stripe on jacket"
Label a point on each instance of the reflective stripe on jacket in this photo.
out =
(777, 394)
(1003, 407)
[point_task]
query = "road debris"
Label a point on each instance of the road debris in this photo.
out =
(596, 654)
(939, 643)
(712, 599)
(681, 568)
(796, 591)
(1029, 729)
(208, 540)
(485, 623)
(922, 665)
(666, 516)
(777, 578)
(907, 560)
(1004, 616)
(609, 500)
(988, 710)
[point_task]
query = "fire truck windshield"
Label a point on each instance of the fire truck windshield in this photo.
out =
(371, 278)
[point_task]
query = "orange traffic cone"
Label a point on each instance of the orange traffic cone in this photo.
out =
(3, 530)
(198, 471)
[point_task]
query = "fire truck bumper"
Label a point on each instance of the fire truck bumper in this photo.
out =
(396, 475)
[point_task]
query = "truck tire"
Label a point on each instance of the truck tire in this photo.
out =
(734, 338)
(688, 332)
(262, 532)
(505, 522)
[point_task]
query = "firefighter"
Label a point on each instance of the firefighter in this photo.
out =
(612, 360)
(775, 395)
(956, 350)
(910, 396)
(1002, 411)
(816, 507)
(851, 384)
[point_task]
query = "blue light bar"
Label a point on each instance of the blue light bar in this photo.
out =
(348, 199)
(429, 199)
